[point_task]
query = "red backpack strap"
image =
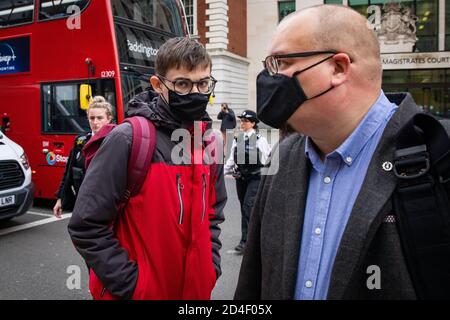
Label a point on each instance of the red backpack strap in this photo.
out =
(91, 147)
(142, 149)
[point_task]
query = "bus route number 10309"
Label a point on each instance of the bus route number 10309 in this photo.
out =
(108, 74)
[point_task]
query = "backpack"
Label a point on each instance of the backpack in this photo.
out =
(422, 204)
(140, 157)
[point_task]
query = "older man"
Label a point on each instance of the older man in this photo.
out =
(325, 221)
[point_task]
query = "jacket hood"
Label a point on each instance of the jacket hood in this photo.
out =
(150, 105)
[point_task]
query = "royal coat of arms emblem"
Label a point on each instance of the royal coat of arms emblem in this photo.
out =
(396, 28)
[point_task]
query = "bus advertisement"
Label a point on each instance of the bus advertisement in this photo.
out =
(55, 54)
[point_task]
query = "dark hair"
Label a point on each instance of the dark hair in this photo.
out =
(181, 52)
(286, 130)
(255, 125)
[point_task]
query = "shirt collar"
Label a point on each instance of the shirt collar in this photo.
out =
(311, 153)
(352, 146)
(249, 133)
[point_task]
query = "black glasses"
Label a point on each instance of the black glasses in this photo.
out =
(184, 86)
(271, 63)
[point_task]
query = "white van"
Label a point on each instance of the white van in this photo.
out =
(16, 187)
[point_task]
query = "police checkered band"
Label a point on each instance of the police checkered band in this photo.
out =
(389, 219)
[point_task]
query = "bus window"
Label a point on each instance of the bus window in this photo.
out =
(55, 9)
(161, 14)
(133, 83)
(107, 89)
(61, 112)
(15, 12)
(138, 47)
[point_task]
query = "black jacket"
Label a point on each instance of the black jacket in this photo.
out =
(270, 263)
(73, 174)
(228, 120)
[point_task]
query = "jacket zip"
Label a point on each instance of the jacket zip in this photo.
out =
(103, 292)
(204, 196)
(179, 188)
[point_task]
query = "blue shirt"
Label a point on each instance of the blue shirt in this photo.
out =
(333, 187)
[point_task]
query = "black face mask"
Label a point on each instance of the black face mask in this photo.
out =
(188, 107)
(279, 96)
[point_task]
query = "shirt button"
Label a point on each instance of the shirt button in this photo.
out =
(308, 284)
(327, 180)
(318, 231)
(349, 159)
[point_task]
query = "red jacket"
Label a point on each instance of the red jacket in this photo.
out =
(165, 244)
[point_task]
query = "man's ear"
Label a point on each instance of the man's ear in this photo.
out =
(156, 84)
(342, 64)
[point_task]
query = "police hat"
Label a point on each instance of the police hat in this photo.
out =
(249, 115)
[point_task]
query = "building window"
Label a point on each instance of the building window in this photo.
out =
(284, 8)
(425, 26)
(430, 88)
(333, 1)
(447, 25)
(190, 10)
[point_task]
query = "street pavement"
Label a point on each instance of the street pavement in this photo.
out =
(38, 260)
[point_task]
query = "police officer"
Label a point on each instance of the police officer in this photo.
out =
(249, 153)
(100, 112)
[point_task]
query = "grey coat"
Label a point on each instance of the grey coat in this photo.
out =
(270, 264)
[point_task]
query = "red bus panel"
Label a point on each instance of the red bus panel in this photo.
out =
(48, 49)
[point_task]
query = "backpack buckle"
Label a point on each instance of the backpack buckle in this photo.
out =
(127, 195)
(443, 168)
(411, 163)
(443, 180)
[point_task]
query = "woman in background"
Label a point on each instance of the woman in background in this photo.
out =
(99, 113)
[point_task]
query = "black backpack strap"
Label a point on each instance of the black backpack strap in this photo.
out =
(442, 166)
(421, 201)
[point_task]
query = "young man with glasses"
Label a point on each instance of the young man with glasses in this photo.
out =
(325, 226)
(165, 243)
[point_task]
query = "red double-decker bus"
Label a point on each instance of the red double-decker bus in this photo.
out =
(55, 53)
